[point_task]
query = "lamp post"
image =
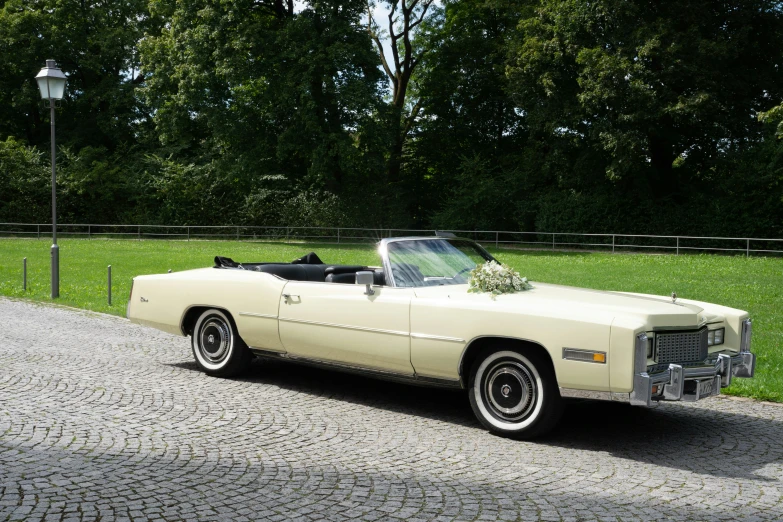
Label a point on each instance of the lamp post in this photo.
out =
(51, 83)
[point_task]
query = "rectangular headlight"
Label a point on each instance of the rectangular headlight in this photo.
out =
(710, 337)
(719, 335)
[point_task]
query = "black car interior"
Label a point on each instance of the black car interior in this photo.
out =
(306, 268)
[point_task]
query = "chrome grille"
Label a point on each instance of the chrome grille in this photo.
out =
(681, 347)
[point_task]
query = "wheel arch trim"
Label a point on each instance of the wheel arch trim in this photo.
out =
(186, 315)
(480, 339)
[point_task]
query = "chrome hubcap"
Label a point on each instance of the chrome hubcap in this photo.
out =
(510, 389)
(215, 340)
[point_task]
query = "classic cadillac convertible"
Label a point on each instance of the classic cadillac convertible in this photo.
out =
(412, 319)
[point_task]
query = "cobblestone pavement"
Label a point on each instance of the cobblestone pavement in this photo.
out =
(102, 419)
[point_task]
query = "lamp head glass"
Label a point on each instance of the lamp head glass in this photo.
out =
(51, 81)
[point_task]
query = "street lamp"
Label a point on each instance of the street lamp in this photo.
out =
(51, 83)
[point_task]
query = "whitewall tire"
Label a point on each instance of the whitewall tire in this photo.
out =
(217, 347)
(515, 394)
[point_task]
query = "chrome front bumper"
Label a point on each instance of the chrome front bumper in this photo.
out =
(677, 383)
(690, 383)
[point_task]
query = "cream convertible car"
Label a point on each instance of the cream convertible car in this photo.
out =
(414, 320)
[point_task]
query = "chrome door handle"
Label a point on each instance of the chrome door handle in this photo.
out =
(289, 296)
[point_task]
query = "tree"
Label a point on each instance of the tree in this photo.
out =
(659, 89)
(405, 18)
(469, 132)
(95, 43)
(263, 90)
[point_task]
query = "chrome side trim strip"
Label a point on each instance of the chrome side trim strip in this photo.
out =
(346, 327)
(266, 351)
(347, 367)
(364, 329)
(572, 393)
(408, 378)
(437, 338)
(439, 381)
(265, 316)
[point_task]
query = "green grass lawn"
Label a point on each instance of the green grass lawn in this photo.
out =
(754, 284)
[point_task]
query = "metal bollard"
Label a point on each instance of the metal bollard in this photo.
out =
(169, 270)
(109, 269)
(24, 274)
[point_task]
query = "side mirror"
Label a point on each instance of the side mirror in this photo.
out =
(365, 277)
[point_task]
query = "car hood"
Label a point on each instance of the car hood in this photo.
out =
(548, 300)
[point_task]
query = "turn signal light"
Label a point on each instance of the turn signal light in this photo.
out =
(575, 354)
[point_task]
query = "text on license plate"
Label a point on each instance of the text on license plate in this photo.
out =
(705, 388)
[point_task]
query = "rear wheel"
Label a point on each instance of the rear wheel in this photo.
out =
(515, 395)
(217, 347)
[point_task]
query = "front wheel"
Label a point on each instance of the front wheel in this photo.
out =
(217, 347)
(515, 395)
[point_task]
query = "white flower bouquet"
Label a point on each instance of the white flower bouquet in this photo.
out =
(496, 279)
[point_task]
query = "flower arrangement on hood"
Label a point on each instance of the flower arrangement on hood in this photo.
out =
(496, 279)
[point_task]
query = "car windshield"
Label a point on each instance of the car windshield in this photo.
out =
(433, 262)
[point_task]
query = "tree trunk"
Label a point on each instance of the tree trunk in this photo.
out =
(405, 61)
(399, 128)
(395, 157)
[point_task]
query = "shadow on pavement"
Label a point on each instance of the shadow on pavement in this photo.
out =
(706, 440)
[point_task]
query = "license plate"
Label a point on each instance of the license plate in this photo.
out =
(705, 388)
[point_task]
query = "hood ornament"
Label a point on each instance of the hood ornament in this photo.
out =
(674, 297)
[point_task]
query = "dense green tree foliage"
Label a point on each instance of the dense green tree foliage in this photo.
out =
(555, 115)
(663, 89)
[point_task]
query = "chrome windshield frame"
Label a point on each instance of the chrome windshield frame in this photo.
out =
(383, 251)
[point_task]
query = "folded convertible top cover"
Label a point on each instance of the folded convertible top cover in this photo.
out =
(309, 259)
(225, 262)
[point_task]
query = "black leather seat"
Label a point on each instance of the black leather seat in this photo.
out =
(350, 278)
(298, 272)
(343, 274)
(346, 279)
(342, 269)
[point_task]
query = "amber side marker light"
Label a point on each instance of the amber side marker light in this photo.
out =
(576, 354)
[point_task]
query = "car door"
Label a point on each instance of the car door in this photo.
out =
(338, 323)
